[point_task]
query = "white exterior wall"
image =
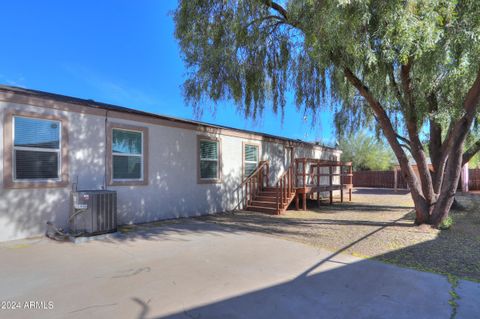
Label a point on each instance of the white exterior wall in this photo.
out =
(172, 189)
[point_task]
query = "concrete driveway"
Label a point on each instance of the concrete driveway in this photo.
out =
(200, 270)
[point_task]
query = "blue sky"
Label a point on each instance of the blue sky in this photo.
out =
(119, 52)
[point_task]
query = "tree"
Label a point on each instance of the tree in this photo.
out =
(403, 67)
(366, 152)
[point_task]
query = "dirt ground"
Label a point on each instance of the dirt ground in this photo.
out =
(377, 224)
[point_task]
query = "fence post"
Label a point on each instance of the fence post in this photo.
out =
(341, 183)
(331, 183)
(395, 179)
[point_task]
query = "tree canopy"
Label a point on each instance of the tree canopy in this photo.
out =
(255, 51)
(404, 68)
(366, 152)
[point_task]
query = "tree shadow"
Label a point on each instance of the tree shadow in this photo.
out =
(380, 191)
(338, 287)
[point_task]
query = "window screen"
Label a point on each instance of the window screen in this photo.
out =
(127, 153)
(208, 159)
(250, 159)
(36, 148)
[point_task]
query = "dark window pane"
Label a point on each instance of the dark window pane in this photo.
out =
(250, 168)
(36, 165)
(208, 169)
(127, 167)
(208, 150)
(127, 142)
(31, 132)
(251, 153)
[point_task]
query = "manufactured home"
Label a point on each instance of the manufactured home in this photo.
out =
(161, 167)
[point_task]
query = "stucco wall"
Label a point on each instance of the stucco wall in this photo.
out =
(172, 189)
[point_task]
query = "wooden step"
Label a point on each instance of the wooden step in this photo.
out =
(265, 198)
(268, 210)
(264, 203)
(270, 189)
(268, 193)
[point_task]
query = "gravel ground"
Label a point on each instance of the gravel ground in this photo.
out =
(377, 224)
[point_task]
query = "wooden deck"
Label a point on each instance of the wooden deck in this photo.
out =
(305, 178)
(315, 177)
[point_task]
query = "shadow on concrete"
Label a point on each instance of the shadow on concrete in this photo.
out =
(335, 287)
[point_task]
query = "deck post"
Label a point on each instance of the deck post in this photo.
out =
(395, 180)
(341, 183)
(304, 173)
(244, 193)
(350, 172)
(331, 183)
(305, 201)
(318, 185)
(268, 173)
(297, 201)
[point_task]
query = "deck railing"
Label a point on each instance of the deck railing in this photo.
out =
(254, 183)
(285, 187)
(309, 175)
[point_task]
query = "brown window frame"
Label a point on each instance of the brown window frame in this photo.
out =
(218, 140)
(8, 165)
(259, 149)
(126, 127)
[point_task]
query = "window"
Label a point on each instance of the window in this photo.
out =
(127, 154)
(250, 159)
(36, 149)
(209, 163)
(127, 161)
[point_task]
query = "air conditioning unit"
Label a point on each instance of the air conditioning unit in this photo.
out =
(93, 212)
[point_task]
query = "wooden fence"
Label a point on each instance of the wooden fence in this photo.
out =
(386, 179)
(383, 179)
(474, 179)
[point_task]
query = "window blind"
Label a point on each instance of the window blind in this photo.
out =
(35, 165)
(37, 133)
(36, 148)
(250, 159)
(208, 159)
(251, 153)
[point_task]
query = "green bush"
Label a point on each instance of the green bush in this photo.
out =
(446, 223)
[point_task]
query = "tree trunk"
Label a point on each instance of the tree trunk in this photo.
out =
(432, 197)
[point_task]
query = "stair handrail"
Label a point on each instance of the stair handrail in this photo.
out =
(255, 182)
(285, 186)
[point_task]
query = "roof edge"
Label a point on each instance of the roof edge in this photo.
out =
(112, 107)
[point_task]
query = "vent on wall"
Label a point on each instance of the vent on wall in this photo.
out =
(93, 212)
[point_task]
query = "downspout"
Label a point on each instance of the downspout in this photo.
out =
(105, 152)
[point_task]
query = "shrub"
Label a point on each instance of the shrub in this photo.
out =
(446, 223)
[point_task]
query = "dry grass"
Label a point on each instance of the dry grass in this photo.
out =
(377, 224)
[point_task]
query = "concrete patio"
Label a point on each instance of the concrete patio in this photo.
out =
(195, 269)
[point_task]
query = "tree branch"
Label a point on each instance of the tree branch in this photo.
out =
(394, 84)
(406, 140)
(269, 17)
(387, 127)
(435, 144)
(411, 120)
(472, 99)
(407, 147)
(275, 6)
(470, 152)
(435, 129)
(460, 128)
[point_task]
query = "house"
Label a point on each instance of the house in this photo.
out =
(161, 167)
